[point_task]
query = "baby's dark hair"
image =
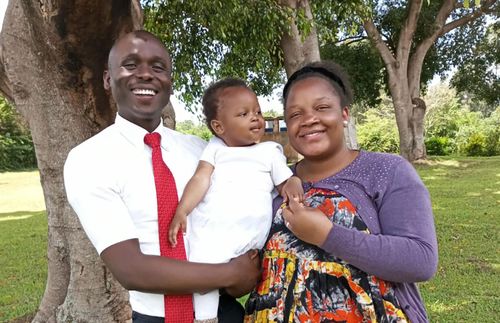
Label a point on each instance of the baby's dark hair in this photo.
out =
(210, 99)
(328, 70)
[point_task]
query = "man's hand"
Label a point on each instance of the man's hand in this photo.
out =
(247, 272)
(178, 222)
(307, 223)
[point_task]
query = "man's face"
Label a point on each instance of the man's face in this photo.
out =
(139, 77)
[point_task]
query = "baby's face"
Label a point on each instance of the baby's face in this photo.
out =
(240, 117)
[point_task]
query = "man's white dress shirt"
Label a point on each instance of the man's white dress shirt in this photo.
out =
(110, 185)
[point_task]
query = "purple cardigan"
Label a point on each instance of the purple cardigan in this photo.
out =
(395, 205)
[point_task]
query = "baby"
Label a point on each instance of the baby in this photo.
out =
(230, 195)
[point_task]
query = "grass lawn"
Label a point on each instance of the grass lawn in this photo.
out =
(466, 200)
(23, 244)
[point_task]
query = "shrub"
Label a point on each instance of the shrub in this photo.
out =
(16, 145)
(188, 127)
(492, 145)
(378, 132)
(475, 145)
(439, 146)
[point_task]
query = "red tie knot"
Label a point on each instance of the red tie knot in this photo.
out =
(152, 139)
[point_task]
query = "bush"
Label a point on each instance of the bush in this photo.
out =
(200, 130)
(479, 136)
(16, 145)
(475, 145)
(439, 146)
(378, 131)
(492, 145)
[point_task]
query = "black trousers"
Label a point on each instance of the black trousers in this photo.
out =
(230, 311)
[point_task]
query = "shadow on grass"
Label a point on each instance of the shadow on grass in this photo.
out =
(19, 215)
(23, 319)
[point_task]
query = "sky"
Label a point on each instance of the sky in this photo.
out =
(181, 113)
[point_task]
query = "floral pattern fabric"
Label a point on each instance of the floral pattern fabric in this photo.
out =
(302, 283)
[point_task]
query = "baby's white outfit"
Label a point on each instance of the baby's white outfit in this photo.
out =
(235, 214)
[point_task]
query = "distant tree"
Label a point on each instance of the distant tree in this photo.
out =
(254, 40)
(365, 68)
(189, 127)
(403, 49)
(272, 113)
(478, 78)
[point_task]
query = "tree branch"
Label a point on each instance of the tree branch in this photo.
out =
(351, 39)
(486, 8)
(379, 43)
(407, 31)
(442, 28)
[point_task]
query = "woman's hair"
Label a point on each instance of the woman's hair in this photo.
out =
(327, 70)
(210, 99)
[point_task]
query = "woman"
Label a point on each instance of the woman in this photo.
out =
(366, 233)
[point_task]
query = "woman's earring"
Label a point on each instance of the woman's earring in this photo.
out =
(345, 123)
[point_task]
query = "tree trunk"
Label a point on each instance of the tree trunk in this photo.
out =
(417, 129)
(53, 56)
(398, 86)
(410, 114)
(299, 49)
(168, 115)
(409, 119)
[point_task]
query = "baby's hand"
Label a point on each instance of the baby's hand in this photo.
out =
(292, 189)
(178, 222)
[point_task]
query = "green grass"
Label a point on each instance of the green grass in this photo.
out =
(466, 200)
(23, 244)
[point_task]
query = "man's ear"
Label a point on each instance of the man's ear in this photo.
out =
(217, 127)
(106, 80)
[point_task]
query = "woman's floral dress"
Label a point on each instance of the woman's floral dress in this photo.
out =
(302, 283)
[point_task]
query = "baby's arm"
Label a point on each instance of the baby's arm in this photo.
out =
(291, 189)
(194, 192)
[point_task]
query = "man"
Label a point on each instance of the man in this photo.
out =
(110, 184)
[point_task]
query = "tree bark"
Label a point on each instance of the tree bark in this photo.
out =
(52, 59)
(299, 49)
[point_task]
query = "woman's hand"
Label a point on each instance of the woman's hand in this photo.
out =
(307, 223)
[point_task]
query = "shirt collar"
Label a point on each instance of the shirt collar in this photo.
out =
(135, 134)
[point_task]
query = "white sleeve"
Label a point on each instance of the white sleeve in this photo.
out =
(280, 171)
(210, 150)
(95, 198)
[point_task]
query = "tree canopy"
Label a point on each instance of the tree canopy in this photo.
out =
(478, 77)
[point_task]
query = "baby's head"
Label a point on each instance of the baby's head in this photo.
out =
(232, 112)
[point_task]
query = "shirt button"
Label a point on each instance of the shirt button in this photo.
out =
(336, 187)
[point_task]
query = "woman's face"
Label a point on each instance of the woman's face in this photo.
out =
(314, 118)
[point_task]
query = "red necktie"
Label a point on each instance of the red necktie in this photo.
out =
(178, 308)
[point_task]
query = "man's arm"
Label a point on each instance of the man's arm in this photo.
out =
(104, 216)
(154, 274)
